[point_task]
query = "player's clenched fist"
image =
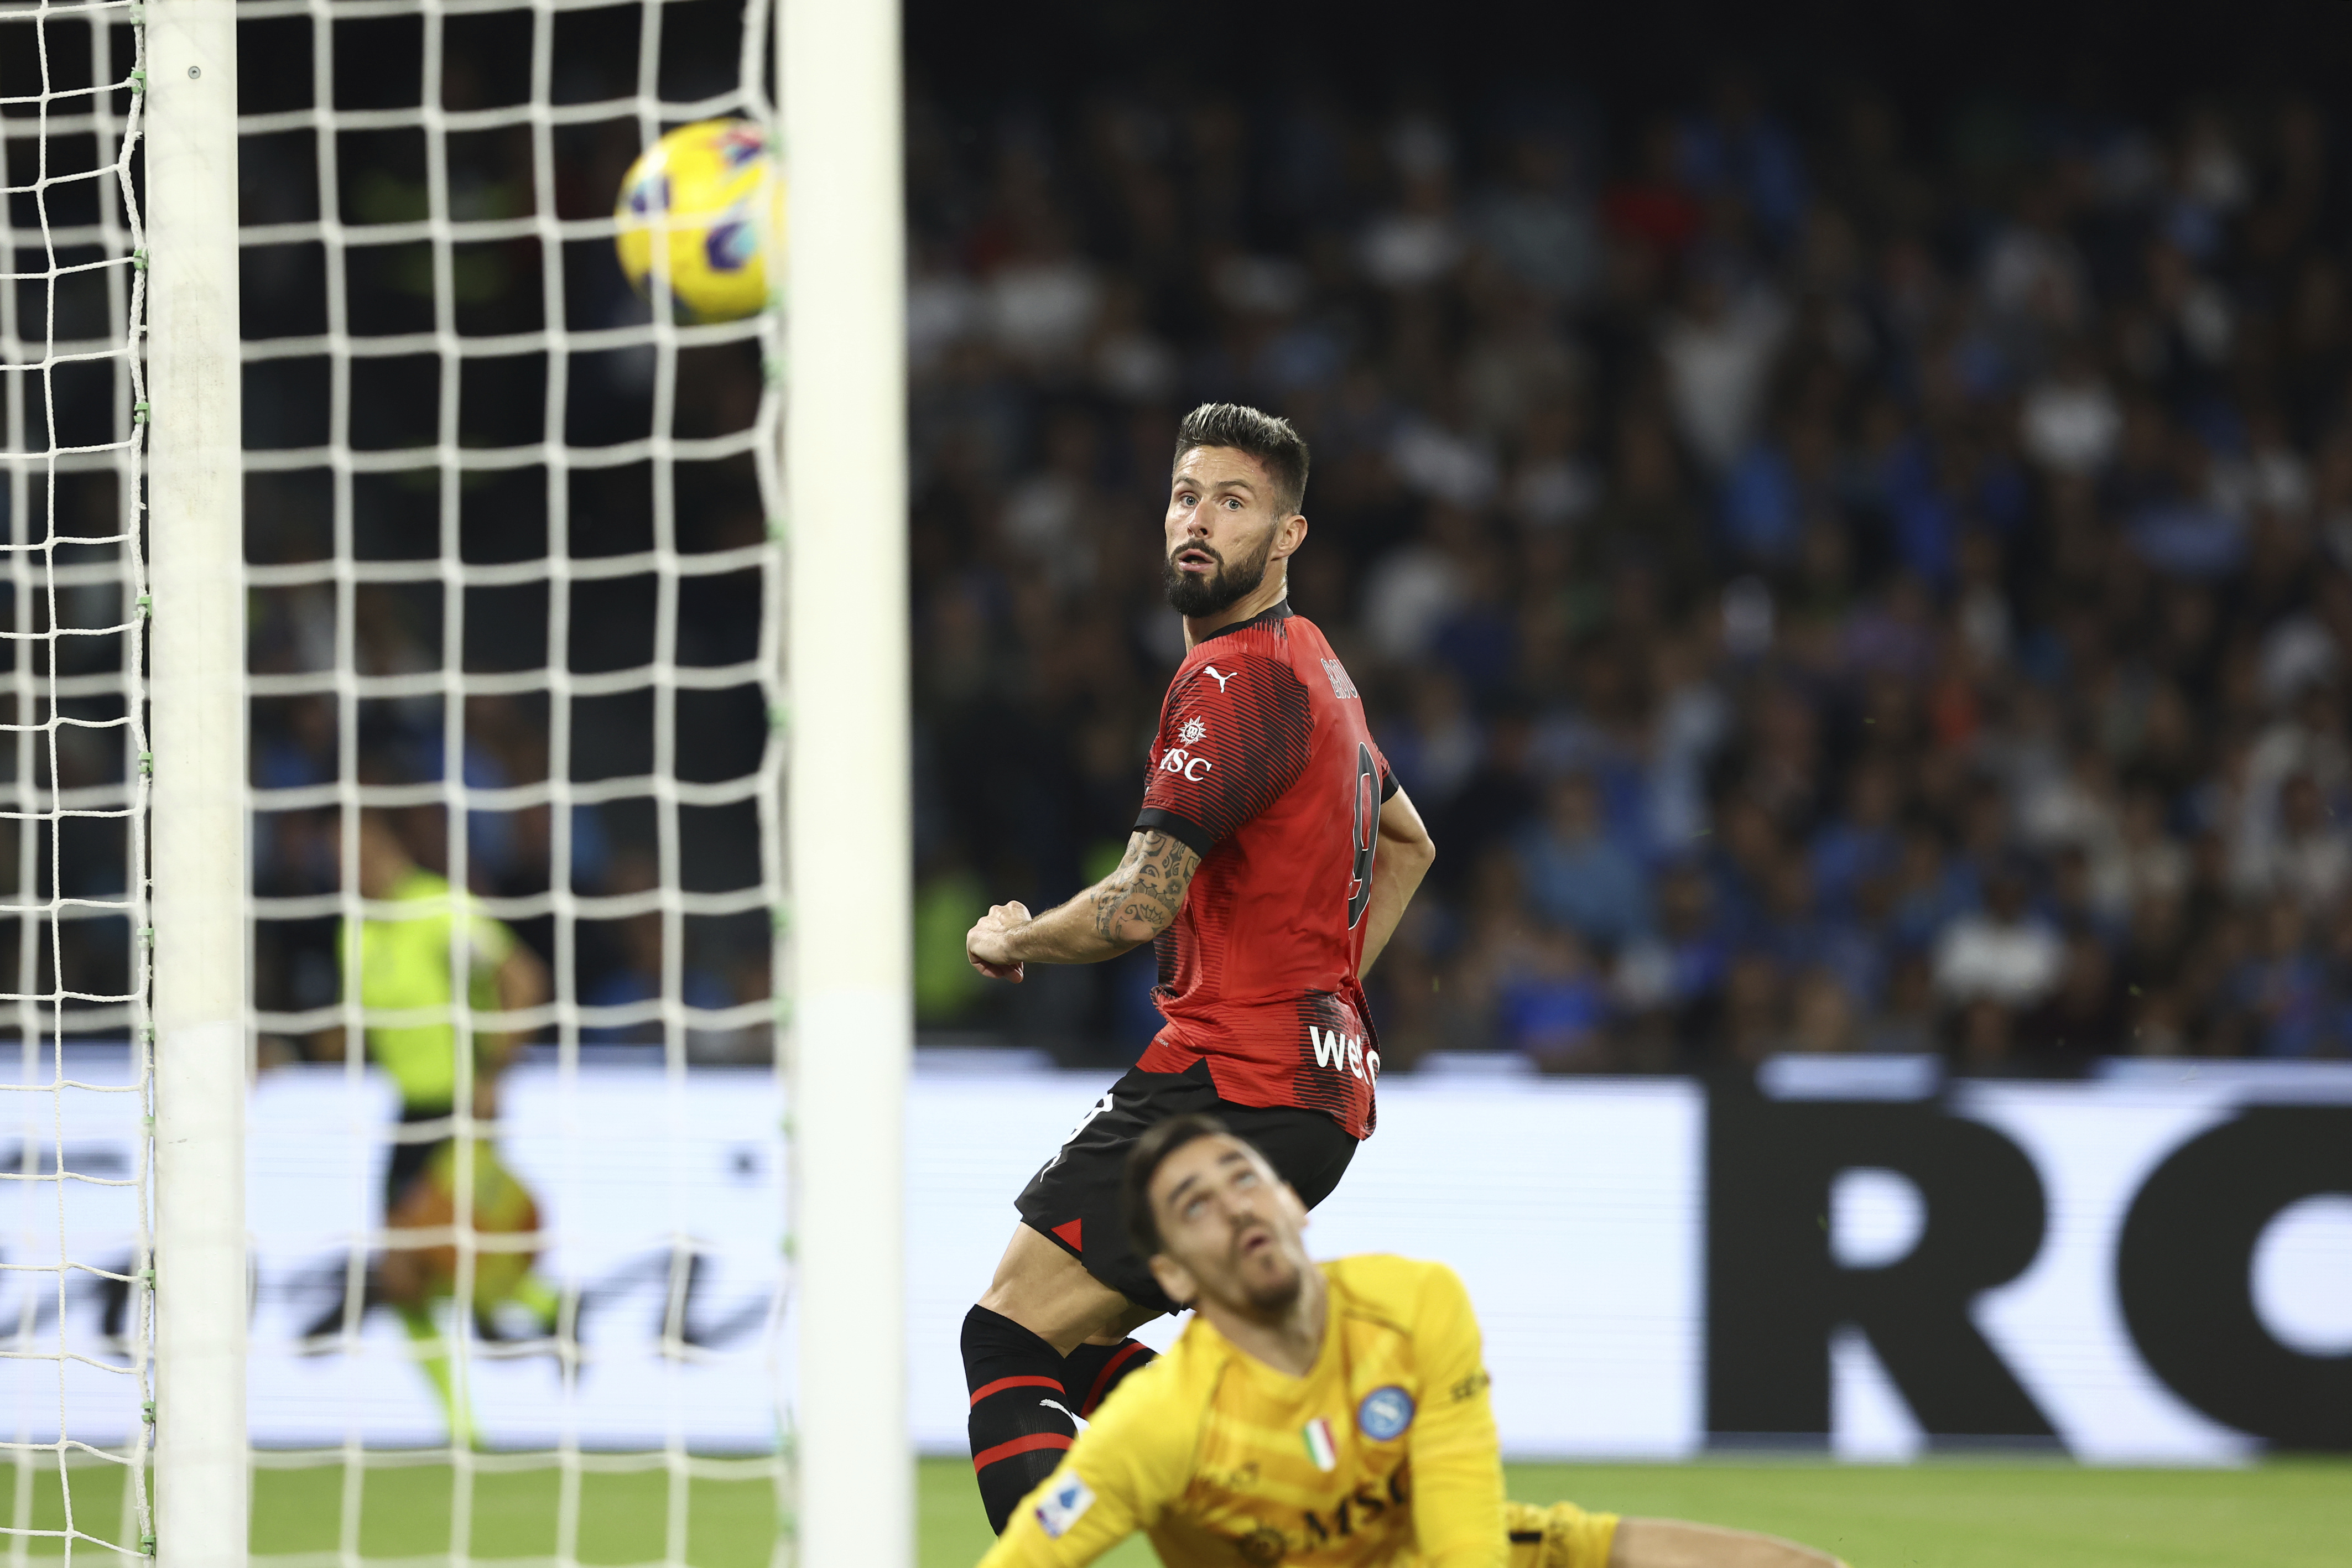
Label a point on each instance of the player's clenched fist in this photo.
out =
(989, 943)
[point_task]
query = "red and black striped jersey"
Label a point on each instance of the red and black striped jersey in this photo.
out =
(1265, 766)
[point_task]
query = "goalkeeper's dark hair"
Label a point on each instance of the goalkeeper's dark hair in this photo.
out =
(1150, 1151)
(1265, 436)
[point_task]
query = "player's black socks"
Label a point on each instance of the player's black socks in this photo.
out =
(1020, 1412)
(1092, 1370)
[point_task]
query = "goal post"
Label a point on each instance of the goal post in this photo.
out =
(428, 569)
(849, 814)
(194, 529)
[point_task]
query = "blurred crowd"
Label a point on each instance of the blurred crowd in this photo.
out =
(1832, 582)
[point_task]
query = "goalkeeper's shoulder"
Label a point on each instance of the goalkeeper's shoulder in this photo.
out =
(1427, 1304)
(1164, 1404)
(1410, 1293)
(1132, 1462)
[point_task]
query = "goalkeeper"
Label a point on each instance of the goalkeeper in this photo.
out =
(407, 964)
(1332, 1414)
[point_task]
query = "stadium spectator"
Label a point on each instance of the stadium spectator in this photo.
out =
(1577, 878)
(1850, 570)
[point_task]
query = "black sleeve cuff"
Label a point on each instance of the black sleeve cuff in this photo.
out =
(1152, 820)
(1389, 786)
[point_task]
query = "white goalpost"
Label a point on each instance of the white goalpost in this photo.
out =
(348, 495)
(851, 838)
(195, 514)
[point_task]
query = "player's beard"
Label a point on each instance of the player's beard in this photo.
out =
(1197, 596)
(1275, 1294)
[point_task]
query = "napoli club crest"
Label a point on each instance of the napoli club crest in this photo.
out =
(1385, 1414)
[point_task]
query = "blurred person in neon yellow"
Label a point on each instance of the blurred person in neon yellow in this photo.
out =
(404, 965)
(1333, 1413)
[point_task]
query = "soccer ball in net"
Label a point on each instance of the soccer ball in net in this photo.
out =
(705, 198)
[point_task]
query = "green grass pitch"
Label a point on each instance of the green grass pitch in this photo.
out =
(2285, 1514)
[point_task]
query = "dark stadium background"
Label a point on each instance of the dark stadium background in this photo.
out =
(1836, 510)
(1841, 514)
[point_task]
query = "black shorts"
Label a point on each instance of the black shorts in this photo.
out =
(1073, 1200)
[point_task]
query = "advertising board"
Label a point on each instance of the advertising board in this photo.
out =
(1847, 1255)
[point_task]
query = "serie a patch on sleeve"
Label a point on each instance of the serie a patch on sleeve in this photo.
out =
(1064, 1506)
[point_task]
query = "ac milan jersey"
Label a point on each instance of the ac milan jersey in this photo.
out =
(1264, 764)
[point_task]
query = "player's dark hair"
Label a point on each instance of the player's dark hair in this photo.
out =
(1265, 436)
(1150, 1151)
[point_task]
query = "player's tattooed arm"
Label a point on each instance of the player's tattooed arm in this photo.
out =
(1139, 900)
(1134, 903)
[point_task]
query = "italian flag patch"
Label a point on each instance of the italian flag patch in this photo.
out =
(1319, 1447)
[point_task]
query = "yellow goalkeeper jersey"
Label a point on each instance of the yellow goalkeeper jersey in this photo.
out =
(404, 965)
(1384, 1453)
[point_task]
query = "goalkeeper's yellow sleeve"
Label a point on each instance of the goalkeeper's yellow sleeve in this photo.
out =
(1560, 1536)
(1132, 1460)
(1458, 1461)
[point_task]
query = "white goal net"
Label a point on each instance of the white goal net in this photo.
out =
(75, 1097)
(514, 597)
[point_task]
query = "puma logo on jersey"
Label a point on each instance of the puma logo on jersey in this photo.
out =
(1344, 1053)
(1221, 677)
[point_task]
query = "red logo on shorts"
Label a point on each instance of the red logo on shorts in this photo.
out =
(1070, 1233)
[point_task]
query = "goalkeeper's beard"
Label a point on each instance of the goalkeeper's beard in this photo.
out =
(1274, 1295)
(1268, 1292)
(1193, 597)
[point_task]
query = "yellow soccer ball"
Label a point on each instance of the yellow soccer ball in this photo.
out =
(706, 198)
